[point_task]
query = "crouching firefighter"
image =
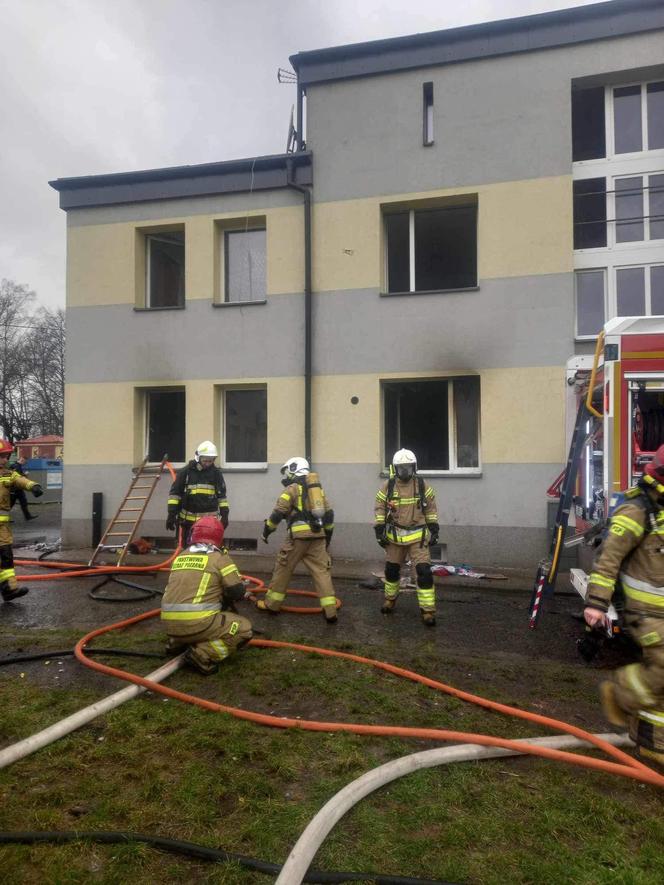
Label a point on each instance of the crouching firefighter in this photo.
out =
(310, 519)
(198, 490)
(198, 605)
(406, 525)
(633, 554)
(9, 480)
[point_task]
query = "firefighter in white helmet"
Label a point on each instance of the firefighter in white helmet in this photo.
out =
(310, 520)
(199, 489)
(406, 525)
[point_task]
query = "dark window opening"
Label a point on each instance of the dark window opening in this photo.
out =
(427, 114)
(588, 124)
(590, 213)
(165, 269)
(417, 417)
(443, 254)
(165, 424)
(244, 263)
(246, 426)
(590, 313)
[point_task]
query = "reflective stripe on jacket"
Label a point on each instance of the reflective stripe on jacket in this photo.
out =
(402, 515)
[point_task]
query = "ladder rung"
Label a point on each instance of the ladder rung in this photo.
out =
(116, 534)
(130, 521)
(136, 498)
(130, 510)
(110, 546)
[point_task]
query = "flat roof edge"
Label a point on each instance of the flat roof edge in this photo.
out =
(615, 18)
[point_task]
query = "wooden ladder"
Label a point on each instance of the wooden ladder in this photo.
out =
(124, 525)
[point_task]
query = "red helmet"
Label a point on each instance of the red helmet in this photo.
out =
(208, 530)
(655, 468)
(6, 448)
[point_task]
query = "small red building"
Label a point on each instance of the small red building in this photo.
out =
(49, 446)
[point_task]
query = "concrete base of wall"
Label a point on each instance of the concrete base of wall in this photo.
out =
(482, 547)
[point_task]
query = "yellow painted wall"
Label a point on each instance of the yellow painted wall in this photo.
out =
(343, 433)
(105, 264)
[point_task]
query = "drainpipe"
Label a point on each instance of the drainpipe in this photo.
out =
(306, 192)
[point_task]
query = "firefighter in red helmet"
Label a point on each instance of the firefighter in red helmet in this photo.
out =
(198, 605)
(633, 554)
(10, 480)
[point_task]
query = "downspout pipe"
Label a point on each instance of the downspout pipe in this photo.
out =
(308, 347)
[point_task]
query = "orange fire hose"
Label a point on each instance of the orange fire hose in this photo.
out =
(626, 767)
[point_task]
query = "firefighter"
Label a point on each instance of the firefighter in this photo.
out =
(199, 489)
(309, 534)
(10, 480)
(406, 525)
(198, 605)
(633, 553)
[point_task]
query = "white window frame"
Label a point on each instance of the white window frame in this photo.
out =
(239, 465)
(158, 237)
(453, 470)
(577, 272)
(223, 246)
(611, 290)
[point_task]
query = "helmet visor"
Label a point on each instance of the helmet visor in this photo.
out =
(405, 471)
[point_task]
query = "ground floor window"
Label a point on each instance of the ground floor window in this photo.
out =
(438, 419)
(165, 424)
(244, 431)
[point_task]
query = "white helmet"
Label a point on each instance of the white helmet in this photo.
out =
(405, 463)
(206, 449)
(294, 467)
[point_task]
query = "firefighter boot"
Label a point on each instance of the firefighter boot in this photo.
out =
(9, 594)
(388, 606)
(649, 756)
(197, 662)
(615, 714)
(428, 618)
(262, 607)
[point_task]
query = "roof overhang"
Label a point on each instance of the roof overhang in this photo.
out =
(616, 18)
(177, 182)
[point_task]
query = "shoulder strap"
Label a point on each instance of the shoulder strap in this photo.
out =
(420, 485)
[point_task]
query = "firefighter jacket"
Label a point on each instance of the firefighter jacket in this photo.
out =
(405, 508)
(633, 554)
(203, 581)
(292, 506)
(10, 479)
(198, 492)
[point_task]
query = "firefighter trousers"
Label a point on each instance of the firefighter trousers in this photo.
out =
(8, 580)
(313, 554)
(640, 687)
(209, 647)
(395, 556)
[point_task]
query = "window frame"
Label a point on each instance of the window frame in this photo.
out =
(240, 466)
(223, 226)
(145, 394)
(465, 202)
(427, 114)
(611, 290)
(385, 383)
(227, 233)
(150, 236)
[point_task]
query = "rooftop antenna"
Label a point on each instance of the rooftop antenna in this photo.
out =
(292, 134)
(284, 76)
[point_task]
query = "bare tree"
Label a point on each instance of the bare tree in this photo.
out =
(15, 303)
(44, 350)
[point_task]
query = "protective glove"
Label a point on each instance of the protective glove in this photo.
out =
(223, 516)
(267, 531)
(170, 523)
(434, 531)
(37, 491)
(379, 531)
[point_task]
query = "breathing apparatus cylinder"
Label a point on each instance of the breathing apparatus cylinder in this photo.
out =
(315, 499)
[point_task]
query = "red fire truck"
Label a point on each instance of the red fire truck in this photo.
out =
(618, 397)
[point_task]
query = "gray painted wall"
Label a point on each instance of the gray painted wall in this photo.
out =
(498, 119)
(505, 323)
(498, 519)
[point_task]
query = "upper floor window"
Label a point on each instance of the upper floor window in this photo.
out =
(603, 293)
(630, 210)
(613, 121)
(244, 265)
(438, 418)
(431, 250)
(427, 114)
(164, 285)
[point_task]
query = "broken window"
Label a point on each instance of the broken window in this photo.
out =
(165, 269)
(244, 265)
(430, 250)
(438, 419)
(165, 424)
(245, 426)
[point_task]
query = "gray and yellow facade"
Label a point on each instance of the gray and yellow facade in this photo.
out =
(502, 145)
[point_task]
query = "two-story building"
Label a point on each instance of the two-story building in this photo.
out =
(462, 212)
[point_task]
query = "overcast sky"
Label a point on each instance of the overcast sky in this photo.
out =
(93, 86)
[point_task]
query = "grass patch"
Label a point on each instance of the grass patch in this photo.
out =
(157, 766)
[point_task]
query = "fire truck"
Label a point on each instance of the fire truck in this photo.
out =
(617, 396)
